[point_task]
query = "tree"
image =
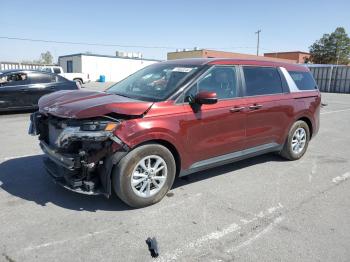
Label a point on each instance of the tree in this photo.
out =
(332, 48)
(46, 58)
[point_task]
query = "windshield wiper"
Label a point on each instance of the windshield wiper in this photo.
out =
(121, 95)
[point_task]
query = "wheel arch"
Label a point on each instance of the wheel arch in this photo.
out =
(174, 151)
(78, 78)
(308, 121)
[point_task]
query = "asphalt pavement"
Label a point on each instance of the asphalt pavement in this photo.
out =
(260, 209)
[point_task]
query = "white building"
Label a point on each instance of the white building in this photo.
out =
(114, 68)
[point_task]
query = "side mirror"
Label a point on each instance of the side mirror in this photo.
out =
(206, 98)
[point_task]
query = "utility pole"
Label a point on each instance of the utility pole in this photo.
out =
(257, 46)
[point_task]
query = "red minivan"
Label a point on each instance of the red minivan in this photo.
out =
(172, 119)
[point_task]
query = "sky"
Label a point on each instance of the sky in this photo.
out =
(168, 25)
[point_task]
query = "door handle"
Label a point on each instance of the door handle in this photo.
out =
(236, 109)
(254, 107)
(24, 89)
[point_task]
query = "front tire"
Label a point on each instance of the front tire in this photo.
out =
(297, 141)
(144, 175)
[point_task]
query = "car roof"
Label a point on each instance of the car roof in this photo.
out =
(231, 61)
(23, 71)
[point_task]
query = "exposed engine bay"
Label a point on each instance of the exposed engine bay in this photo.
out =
(79, 153)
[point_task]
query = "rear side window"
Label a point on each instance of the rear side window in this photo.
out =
(303, 80)
(262, 81)
(40, 78)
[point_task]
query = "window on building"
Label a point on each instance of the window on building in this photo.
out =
(262, 81)
(303, 80)
(69, 66)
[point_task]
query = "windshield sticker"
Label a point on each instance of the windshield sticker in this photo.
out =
(182, 69)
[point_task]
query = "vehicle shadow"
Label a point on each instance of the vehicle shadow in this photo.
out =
(220, 170)
(26, 178)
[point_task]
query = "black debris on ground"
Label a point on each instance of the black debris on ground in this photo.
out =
(152, 246)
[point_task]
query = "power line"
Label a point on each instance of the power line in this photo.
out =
(112, 45)
(84, 43)
(124, 46)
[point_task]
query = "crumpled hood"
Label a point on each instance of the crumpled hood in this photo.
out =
(85, 104)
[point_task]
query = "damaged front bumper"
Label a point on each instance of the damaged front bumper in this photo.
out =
(58, 173)
(66, 161)
(78, 160)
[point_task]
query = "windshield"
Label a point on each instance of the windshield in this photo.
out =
(153, 83)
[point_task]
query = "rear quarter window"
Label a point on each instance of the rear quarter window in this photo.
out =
(303, 80)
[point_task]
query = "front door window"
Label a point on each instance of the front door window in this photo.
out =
(220, 79)
(14, 79)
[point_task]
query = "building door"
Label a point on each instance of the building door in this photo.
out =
(69, 66)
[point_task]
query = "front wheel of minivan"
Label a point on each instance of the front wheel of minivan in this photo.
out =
(297, 141)
(144, 175)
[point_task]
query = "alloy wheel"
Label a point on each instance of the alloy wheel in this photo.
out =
(149, 176)
(298, 140)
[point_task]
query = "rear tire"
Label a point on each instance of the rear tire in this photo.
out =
(79, 81)
(136, 180)
(297, 141)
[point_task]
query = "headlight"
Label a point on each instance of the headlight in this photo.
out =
(99, 126)
(88, 131)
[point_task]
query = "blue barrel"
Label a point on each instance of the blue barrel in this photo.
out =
(102, 78)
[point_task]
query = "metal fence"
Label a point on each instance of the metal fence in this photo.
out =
(332, 78)
(12, 65)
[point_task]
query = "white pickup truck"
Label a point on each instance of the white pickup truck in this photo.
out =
(77, 77)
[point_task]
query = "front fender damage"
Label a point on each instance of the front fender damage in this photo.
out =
(81, 161)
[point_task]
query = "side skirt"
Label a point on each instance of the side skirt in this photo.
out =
(231, 157)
